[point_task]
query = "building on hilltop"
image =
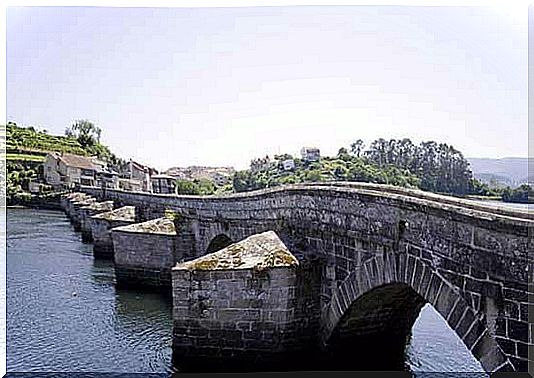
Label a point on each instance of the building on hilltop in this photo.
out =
(108, 179)
(310, 154)
(288, 164)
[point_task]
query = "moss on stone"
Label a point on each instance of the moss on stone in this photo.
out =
(99, 206)
(163, 226)
(257, 252)
(126, 213)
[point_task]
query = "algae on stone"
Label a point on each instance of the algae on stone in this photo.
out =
(258, 252)
(163, 226)
(99, 205)
(125, 213)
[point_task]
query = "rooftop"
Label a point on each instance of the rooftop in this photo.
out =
(76, 161)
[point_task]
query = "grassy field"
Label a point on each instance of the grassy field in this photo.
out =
(22, 157)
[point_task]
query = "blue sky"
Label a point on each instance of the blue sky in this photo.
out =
(219, 86)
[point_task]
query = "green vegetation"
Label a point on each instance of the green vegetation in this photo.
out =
(521, 194)
(429, 166)
(27, 139)
(88, 135)
(25, 157)
(196, 187)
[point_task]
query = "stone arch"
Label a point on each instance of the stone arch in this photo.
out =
(219, 242)
(418, 282)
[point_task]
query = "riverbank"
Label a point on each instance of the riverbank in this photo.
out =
(50, 201)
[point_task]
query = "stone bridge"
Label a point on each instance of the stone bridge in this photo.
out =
(370, 257)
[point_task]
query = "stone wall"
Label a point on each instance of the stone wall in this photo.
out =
(101, 226)
(101, 231)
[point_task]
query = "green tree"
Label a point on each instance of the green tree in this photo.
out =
(357, 147)
(343, 154)
(187, 187)
(521, 194)
(85, 132)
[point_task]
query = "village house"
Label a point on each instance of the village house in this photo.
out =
(134, 176)
(288, 164)
(163, 184)
(310, 154)
(67, 170)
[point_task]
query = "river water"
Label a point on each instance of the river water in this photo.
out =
(65, 314)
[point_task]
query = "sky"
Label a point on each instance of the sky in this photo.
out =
(220, 86)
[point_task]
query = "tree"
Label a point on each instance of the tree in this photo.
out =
(521, 194)
(357, 147)
(85, 132)
(343, 154)
(186, 187)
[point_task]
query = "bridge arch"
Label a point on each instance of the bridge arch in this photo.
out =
(408, 283)
(218, 242)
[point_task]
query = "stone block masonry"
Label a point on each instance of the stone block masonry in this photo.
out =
(472, 262)
(144, 253)
(87, 212)
(101, 226)
(237, 309)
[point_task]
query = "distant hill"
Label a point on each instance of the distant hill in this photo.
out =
(506, 171)
(219, 175)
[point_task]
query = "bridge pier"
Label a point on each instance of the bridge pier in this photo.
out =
(88, 211)
(101, 226)
(144, 253)
(75, 209)
(239, 308)
(68, 199)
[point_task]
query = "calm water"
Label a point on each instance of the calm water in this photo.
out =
(64, 313)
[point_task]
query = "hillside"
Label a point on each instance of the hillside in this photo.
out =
(219, 175)
(506, 171)
(429, 165)
(343, 168)
(27, 144)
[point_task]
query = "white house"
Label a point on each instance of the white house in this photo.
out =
(310, 154)
(288, 165)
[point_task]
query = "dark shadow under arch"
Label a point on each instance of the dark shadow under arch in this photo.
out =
(388, 291)
(218, 242)
(374, 331)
